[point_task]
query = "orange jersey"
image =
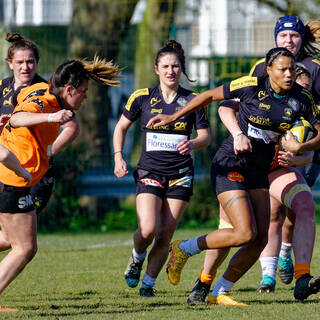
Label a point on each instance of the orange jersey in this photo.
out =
(30, 144)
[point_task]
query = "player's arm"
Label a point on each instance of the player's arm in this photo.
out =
(11, 162)
(70, 131)
(27, 119)
(119, 136)
(227, 113)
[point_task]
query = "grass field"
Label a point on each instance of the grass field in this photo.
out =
(81, 277)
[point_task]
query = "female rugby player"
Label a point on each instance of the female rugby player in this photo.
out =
(241, 179)
(164, 175)
(32, 128)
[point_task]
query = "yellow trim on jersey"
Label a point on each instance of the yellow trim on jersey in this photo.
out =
(255, 65)
(134, 95)
(316, 61)
(292, 193)
(0, 82)
(243, 82)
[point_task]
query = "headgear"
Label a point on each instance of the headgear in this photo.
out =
(289, 22)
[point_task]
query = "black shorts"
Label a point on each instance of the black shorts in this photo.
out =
(310, 172)
(178, 186)
(16, 200)
(232, 173)
(42, 191)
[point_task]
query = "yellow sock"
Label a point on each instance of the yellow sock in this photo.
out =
(206, 278)
(301, 269)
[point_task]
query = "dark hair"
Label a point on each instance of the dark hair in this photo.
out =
(20, 43)
(172, 46)
(301, 69)
(275, 53)
(74, 72)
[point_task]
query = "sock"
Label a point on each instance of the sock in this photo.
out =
(190, 247)
(300, 269)
(138, 256)
(269, 266)
(223, 286)
(207, 278)
(148, 282)
(285, 250)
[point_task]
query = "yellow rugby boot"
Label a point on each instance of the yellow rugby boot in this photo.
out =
(177, 260)
(224, 300)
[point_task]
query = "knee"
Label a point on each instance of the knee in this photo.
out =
(29, 251)
(244, 236)
(147, 233)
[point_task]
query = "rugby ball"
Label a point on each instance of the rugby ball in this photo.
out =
(302, 130)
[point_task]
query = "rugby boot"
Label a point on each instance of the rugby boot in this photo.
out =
(224, 300)
(147, 292)
(133, 271)
(285, 270)
(305, 286)
(267, 284)
(177, 260)
(199, 293)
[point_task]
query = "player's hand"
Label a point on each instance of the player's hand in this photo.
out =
(286, 159)
(61, 116)
(289, 143)
(241, 143)
(160, 120)
(120, 166)
(185, 147)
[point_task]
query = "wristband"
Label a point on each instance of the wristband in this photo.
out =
(237, 134)
(50, 117)
(117, 151)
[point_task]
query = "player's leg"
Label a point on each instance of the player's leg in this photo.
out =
(167, 222)
(213, 259)
(248, 254)
(148, 207)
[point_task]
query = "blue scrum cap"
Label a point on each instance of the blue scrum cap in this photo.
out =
(289, 22)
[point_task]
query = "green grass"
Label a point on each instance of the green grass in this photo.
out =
(81, 277)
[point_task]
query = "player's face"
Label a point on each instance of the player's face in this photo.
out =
(304, 81)
(291, 40)
(23, 64)
(282, 74)
(75, 96)
(169, 70)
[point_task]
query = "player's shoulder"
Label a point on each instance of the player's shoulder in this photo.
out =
(6, 82)
(257, 67)
(135, 95)
(244, 82)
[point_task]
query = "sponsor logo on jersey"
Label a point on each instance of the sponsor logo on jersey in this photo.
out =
(6, 103)
(243, 82)
(262, 134)
(151, 182)
(262, 95)
(153, 110)
(182, 102)
(235, 176)
(163, 141)
(25, 202)
(38, 102)
(294, 104)
(154, 101)
(287, 114)
(6, 91)
(285, 126)
(180, 126)
(260, 120)
(264, 106)
(134, 96)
